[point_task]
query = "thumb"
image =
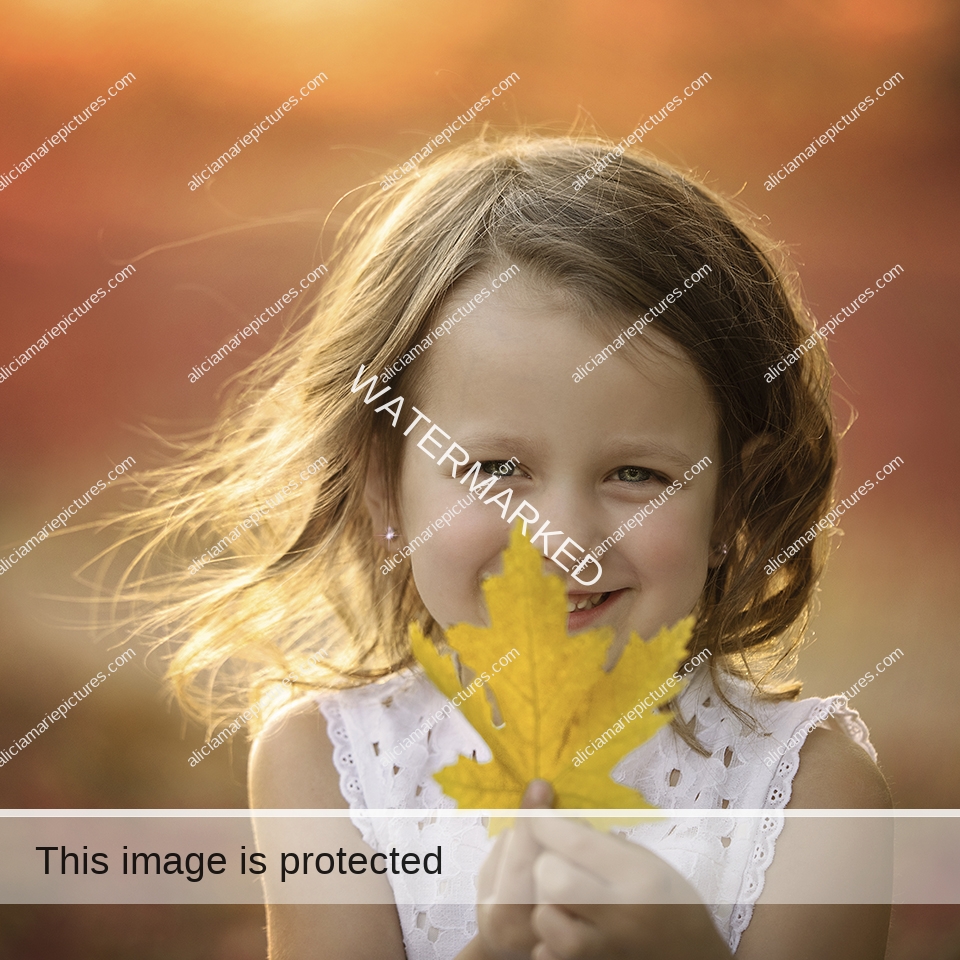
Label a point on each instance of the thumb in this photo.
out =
(538, 795)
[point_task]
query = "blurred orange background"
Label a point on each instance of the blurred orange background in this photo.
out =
(884, 193)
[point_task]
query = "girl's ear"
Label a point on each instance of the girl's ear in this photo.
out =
(718, 553)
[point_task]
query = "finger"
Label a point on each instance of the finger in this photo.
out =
(612, 859)
(605, 869)
(561, 883)
(511, 873)
(514, 875)
(539, 793)
(558, 881)
(565, 936)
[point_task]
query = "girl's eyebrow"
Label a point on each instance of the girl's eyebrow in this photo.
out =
(619, 447)
(647, 447)
(503, 441)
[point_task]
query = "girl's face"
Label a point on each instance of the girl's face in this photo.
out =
(591, 454)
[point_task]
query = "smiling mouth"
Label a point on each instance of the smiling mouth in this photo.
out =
(586, 601)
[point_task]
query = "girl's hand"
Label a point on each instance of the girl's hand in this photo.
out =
(618, 900)
(505, 887)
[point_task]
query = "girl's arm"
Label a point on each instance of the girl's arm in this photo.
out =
(291, 765)
(834, 773)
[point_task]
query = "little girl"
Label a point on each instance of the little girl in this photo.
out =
(674, 427)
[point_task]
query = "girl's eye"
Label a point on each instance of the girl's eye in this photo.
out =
(498, 468)
(635, 474)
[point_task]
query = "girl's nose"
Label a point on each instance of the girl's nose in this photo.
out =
(564, 533)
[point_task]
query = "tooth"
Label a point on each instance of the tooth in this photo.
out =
(585, 603)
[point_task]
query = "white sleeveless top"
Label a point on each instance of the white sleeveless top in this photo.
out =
(725, 859)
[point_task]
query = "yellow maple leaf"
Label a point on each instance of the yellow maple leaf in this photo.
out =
(554, 698)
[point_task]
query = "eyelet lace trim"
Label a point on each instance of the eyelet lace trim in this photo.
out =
(778, 796)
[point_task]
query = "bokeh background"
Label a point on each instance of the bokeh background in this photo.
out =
(884, 193)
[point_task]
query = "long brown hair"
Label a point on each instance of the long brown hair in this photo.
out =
(307, 576)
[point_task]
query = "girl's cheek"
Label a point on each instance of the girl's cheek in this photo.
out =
(466, 545)
(448, 567)
(671, 567)
(674, 548)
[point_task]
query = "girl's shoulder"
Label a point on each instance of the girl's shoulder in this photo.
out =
(291, 761)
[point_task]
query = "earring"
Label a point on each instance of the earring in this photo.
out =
(389, 535)
(723, 549)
